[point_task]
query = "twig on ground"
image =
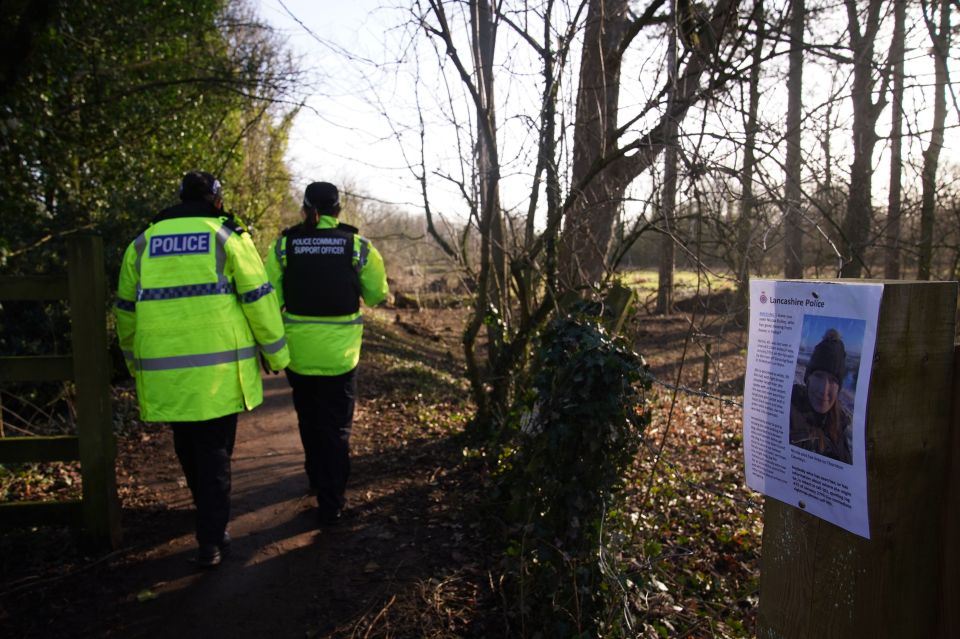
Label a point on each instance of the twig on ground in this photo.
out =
(380, 614)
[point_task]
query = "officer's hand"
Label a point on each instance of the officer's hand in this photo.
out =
(266, 366)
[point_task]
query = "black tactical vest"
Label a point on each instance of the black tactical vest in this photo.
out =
(320, 279)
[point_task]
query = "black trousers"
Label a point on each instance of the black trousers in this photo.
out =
(204, 450)
(325, 416)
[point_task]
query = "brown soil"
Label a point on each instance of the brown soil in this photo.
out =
(699, 351)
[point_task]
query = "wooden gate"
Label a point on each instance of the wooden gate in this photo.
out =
(98, 511)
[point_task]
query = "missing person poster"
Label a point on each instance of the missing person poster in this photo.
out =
(805, 395)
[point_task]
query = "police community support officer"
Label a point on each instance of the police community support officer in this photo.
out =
(194, 307)
(320, 269)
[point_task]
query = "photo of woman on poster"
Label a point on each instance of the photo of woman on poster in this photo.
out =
(819, 421)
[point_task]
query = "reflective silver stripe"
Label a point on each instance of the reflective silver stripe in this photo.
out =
(128, 355)
(139, 245)
(356, 320)
(223, 234)
(194, 361)
(273, 348)
(364, 252)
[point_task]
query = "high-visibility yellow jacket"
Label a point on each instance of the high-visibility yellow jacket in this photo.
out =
(194, 307)
(326, 345)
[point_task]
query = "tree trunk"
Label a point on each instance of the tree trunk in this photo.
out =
(747, 204)
(931, 155)
(491, 289)
(856, 226)
(891, 268)
(668, 197)
(589, 226)
(483, 40)
(793, 203)
(602, 171)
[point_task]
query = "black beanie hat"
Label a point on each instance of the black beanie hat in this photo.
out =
(323, 197)
(829, 355)
(196, 185)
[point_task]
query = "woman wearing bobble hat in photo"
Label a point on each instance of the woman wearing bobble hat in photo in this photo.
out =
(818, 421)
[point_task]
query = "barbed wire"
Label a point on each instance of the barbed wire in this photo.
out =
(674, 467)
(693, 391)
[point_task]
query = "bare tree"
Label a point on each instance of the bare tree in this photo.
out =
(668, 192)
(793, 202)
(589, 227)
(748, 203)
(891, 269)
(599, 185)
(491, 303)
(602, 167)
(862, 31)
(940, 37)
(493, 280)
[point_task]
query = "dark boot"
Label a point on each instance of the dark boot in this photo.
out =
(208, 556)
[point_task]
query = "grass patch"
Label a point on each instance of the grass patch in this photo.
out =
(415, 379)
(685, 282)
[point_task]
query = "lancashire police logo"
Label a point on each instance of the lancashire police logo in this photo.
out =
(763, 297)
(180, 244)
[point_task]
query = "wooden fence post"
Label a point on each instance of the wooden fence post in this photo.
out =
(950, 602)
(91, 368)
(617, 305)
(819, 581)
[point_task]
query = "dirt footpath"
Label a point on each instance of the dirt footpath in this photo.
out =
(405, 562)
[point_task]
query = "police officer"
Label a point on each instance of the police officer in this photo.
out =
(194, 308)
(321, 269)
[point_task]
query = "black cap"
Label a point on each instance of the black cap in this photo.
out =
(323, 197)
(829, 356)
(196, 185)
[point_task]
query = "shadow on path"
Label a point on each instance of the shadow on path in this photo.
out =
(404, 536)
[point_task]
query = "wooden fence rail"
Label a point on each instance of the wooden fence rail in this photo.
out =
(98, 511)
